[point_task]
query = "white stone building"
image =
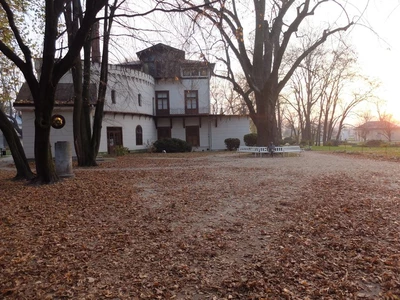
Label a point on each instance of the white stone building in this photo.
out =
(162, 95)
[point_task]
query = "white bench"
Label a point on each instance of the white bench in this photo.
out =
(248, 149)
(292, 149)
(278, 150)
(264, 150)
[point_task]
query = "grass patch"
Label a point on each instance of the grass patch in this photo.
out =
(385, 151)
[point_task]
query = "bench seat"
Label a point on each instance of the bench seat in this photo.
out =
(264, 150)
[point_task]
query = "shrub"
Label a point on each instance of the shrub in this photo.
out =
(332, 143)
(305, 143)
(373, 143)
(232, 143)
(385, 144)
(288, 140)
(121, 150)
(172, 145)
(250, 139)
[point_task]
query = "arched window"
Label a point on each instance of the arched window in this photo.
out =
(139, 135)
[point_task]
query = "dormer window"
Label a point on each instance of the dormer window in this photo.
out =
(194, 72)
(203, 72)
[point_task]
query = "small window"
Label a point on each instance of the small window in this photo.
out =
(195, 72)
(162, 102)
(203, 72)
(139, 99)
(191, 102)
(139, 135)
(113, 97)
(188, 72)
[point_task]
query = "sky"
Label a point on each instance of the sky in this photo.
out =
(379, 50)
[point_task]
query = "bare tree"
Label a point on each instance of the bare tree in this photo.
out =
(323, 93)
(388, 124)
(347, 108)
(262, 61)
(225, 100)
(9, 85)
(362, 129)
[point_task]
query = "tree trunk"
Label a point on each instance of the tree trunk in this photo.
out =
(81, 122)
(45, 168)
(307, 136)
(99, 112)
(279, 121)
(17, 151)
(265, 119)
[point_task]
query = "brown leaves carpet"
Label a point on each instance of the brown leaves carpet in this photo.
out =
(205, 226)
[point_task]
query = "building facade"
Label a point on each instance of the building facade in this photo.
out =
(162, 95)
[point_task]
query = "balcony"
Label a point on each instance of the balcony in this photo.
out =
(183, 112)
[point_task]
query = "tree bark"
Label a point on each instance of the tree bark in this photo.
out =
(17, 151)
(45, 168)
(265, 118)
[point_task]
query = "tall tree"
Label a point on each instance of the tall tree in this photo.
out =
(52, 69)
(387, 122)
(363, 130)
(9, 85)
(86, 141)
(17, 151)
(323, 92)
(262, 61)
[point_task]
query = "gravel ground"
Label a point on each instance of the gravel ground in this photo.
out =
(205, 226)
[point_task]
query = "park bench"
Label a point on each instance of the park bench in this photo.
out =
(264, 150)
(278, 150)
(292, 149)
(248, 149)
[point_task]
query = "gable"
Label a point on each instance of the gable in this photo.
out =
(160, 52)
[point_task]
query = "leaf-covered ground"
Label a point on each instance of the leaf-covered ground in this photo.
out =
(205, 226)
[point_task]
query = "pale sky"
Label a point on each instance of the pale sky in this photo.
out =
(379, 51)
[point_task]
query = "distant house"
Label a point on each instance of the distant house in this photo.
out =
(378, 130)
(160, 96)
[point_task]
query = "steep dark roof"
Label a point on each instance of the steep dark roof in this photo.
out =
(160, 48)
(64, 95)
(134, 65)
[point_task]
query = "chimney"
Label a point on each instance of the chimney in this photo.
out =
(96, 57)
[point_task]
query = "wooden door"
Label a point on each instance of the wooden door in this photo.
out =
(114, 139)
(193, 135)
(163, 133)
